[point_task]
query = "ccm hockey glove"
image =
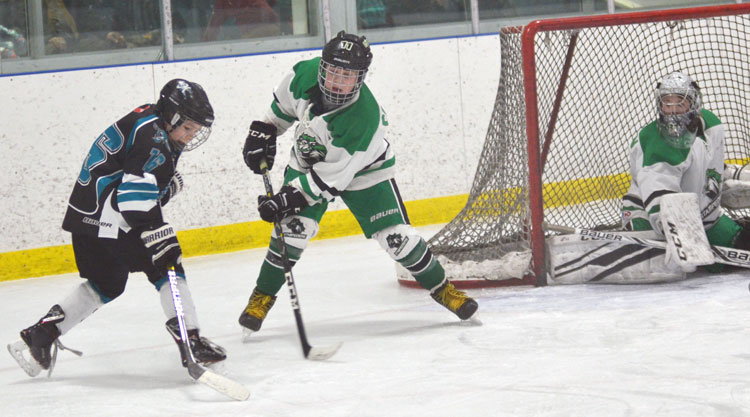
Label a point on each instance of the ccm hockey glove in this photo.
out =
(287, 201)
(162, 245)
(260, 144)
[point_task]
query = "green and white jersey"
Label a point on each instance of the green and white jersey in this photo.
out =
(657, 169)
(338, 150)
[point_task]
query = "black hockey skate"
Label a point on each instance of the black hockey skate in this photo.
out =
(257, 308)
(40, 337)
(456, 301)
(39, 340)
(204, 351)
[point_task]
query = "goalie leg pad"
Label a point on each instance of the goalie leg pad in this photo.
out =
(576, 259)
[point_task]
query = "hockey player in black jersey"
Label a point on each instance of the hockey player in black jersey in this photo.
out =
(115, 218)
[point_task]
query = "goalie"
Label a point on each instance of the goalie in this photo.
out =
(682, 151)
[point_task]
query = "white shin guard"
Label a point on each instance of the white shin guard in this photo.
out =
(188, 307)
(78, 305)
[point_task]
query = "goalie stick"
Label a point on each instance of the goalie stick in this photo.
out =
(310, 352)
(203, 375)
(721, 254)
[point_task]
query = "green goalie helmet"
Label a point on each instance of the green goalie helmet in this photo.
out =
(678, 105)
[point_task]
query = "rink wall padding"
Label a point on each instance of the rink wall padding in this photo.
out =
(438, 95)
(59, 259)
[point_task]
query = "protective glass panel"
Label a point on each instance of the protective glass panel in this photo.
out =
(223, 20)
(97, 25)
(387, 13)
(13, 29)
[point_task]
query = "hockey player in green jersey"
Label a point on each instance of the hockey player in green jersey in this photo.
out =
(340, 151)
(681, 151)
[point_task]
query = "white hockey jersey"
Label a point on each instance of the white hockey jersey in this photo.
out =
(343, 149)
(657, 169)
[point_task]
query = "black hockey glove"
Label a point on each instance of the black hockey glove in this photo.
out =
(287, 201)
(162, 245)
(259, 145)
(174, 187)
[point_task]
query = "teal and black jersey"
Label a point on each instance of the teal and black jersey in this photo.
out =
(126, 171)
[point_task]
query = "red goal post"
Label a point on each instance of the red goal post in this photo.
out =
(573, 94)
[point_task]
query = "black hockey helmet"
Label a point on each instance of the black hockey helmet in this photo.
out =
(344, 54)
(181, 100)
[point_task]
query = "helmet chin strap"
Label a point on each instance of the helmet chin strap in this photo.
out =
(176, 121)
(174, 124)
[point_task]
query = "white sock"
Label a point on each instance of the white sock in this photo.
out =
(78, 305)
(165, 293)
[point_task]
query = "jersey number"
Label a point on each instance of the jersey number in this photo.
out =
(154, 160)
(108, 143)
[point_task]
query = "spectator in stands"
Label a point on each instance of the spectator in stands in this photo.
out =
(372, 14)
(60, 29)
(254, 18)
(13, 28)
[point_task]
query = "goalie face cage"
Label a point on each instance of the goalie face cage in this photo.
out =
(587, 86)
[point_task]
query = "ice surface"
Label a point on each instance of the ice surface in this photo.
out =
(679, 349)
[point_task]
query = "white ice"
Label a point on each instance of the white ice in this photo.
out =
(677, 349)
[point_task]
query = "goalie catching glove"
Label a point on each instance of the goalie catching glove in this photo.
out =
(260, 144)
(162, 246)
(287, 201)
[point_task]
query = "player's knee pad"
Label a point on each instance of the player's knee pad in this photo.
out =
(407, 248)
(399, 240)
(297, 231)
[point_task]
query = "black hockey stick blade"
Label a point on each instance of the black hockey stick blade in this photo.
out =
(220, 383)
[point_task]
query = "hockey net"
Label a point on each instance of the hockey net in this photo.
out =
(573, 94)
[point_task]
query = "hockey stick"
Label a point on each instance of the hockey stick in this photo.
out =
(723, 255)
(205, 376)
(310, 352)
